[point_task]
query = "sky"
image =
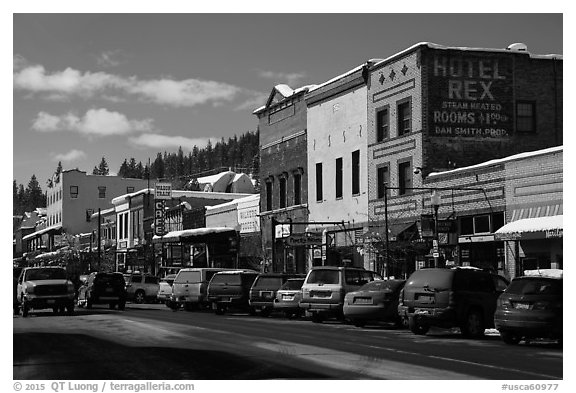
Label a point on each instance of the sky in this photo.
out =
(87, 86)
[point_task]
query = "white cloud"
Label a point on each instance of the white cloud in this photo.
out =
(72, 155)
(291, 79)
(166, 141)
(100, 122)
(164, 91)
(111, 58)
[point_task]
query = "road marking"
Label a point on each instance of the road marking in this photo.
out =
(368, 366)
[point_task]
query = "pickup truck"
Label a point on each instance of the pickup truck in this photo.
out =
(45, 287)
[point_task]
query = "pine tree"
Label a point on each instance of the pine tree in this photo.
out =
(157, 170)
(123, 171)
(103, 168)
(58, 172)
(34, 197)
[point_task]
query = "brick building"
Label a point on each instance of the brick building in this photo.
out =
(284, 176)
(433, 108)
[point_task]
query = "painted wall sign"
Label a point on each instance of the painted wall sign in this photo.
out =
(470, 95)
(163, 191)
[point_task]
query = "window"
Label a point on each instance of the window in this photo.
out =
(74, 192)
(383, 179)
(339, 177)
(282, 182)
(404, 117)
(525, 117)
(297, 188)
(382, 124)
(484, 223)
(405, 177)
(101, 192)
(356, 172)
(126, 226)
(319, 196)
(269, 195)
(129, 190)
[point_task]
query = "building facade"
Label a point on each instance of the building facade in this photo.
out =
(337, 162)
(433, 108)
(284, 177)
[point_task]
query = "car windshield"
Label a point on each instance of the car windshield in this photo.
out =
(225, 279)
(45, 274)
(268, 282)
(382, 285)
(322, 276)
(188, 277)
(438, 279)
(108, 278)
(293, 284)
(535, 286)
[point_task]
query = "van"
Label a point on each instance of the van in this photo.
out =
(263, 291)
(324, 289)
(231, 289)
(446, 298)
(189, 287)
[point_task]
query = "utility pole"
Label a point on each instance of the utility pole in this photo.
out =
(99, 241)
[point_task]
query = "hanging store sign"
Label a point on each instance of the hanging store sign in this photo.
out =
(282, 230)
(159, 219)
(163, 191)
(304, 239)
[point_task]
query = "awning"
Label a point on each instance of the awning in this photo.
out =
(200, 235)
(536, 211)
(532, 228)
(407, 231)
(53, 229)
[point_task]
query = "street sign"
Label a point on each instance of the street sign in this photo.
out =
(163, 191)
(304, 239)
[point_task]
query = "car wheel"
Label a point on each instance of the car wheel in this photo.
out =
(112, 306)
(316, 317)
(358, 323)
(16, 309)
(510, 338)
(121, 306)
(219, 310)
(474, 325)
(416, 327)
(88, 303)
(55, 310)
(189, 307)
(25, 309)
(139, 297)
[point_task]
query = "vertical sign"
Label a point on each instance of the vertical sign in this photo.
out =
(159, 217)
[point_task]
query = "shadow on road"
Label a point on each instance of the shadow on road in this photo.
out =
(78, 356)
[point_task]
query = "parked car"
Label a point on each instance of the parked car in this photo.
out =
(45, 287)
(165, 290)
(288, 297)
(375, 301)
(141, 287)
(324, 289)
(190, 287)
(263, 291)
(230, 290)
(16, 304)
(446, 298)
(103, 288)
(531, 307)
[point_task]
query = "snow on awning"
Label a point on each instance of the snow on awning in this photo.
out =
(198, 234)
(532, 228)
(53, 228)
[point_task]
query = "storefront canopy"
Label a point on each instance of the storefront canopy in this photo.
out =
(200, 235)
(532, 228)
(52, 229)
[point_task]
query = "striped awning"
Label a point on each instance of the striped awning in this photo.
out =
(532, 228)
(536, 211)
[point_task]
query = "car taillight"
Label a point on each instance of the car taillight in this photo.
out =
(503, 302)
(544, 305)
(70, 287)
(451, 300)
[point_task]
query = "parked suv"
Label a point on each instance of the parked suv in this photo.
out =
(325, 287)
(45, 287)
(141, 287)
(446, 298)
(230, 289)
(103, 288)
(189, 287)
(531, 307)
(263, 291)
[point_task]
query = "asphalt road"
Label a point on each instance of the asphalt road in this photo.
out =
(152, 342)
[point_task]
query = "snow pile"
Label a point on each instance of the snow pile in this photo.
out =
(533, 225)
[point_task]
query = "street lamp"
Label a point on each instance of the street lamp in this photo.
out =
(435, 200)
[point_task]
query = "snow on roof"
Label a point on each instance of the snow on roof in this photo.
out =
(178, 235)
(285, 90)
(213, 178)
(234, 202)
(432, 45)
(535, 224)
(350, 72)
(552, 273)
(497, 161)
(182, 193)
